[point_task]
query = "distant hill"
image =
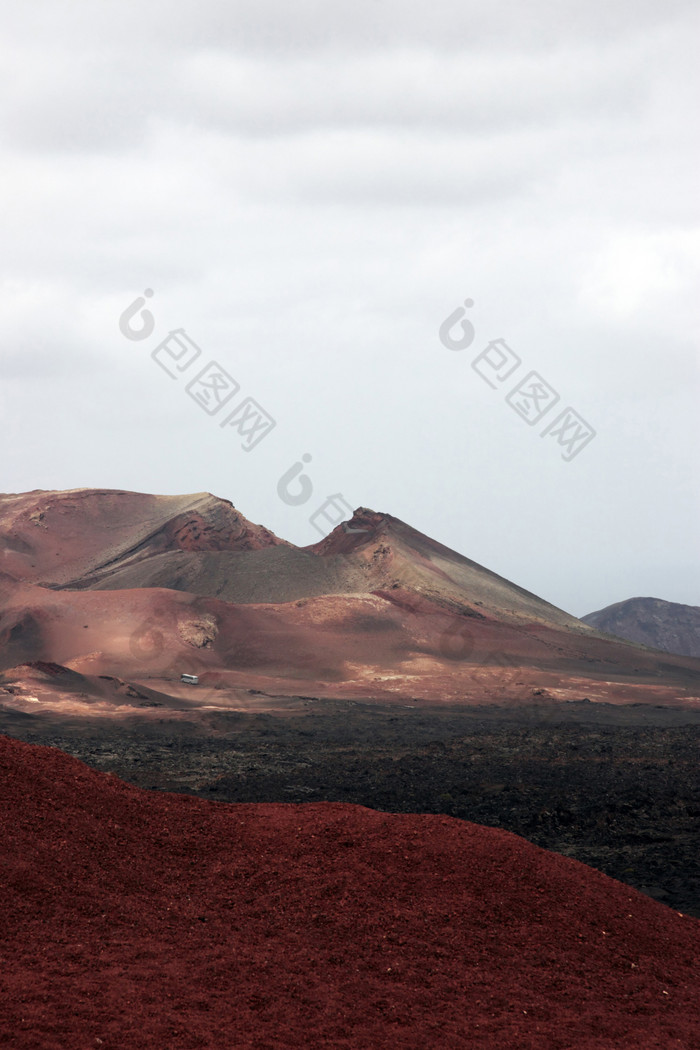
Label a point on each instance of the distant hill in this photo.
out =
(137, 588)
(668, 626)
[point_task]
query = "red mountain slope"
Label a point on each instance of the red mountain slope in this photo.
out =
(136, 920)
(145, 587)
(60, 537)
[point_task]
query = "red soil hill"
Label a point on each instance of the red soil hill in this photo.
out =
(143, 587)
(136, 920)
(60, 537)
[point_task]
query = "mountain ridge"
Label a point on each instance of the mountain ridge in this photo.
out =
(658, 624)
(140, 587)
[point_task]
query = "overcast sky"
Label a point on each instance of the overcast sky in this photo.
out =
(310, 190)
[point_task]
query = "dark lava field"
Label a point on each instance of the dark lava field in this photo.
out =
(617, 788)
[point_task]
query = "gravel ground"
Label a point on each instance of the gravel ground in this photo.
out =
(616, 788)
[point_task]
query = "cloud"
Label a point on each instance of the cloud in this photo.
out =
(308, 26)
(310, 189)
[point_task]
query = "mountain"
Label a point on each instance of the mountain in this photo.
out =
(668, 626)
(135, 918)
(53, 538)
(138, 588)
(115, 540)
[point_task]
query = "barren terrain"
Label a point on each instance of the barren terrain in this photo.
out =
(376, 669)
(132, 920)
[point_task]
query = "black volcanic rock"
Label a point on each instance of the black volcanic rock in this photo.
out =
(668, 626)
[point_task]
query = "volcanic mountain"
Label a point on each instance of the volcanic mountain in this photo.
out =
(131, 590)
(134, 919)
(668, 626)
(93, 531)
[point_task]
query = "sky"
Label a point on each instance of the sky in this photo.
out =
(440, 260)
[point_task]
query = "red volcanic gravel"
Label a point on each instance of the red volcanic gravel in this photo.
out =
(132, 919)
